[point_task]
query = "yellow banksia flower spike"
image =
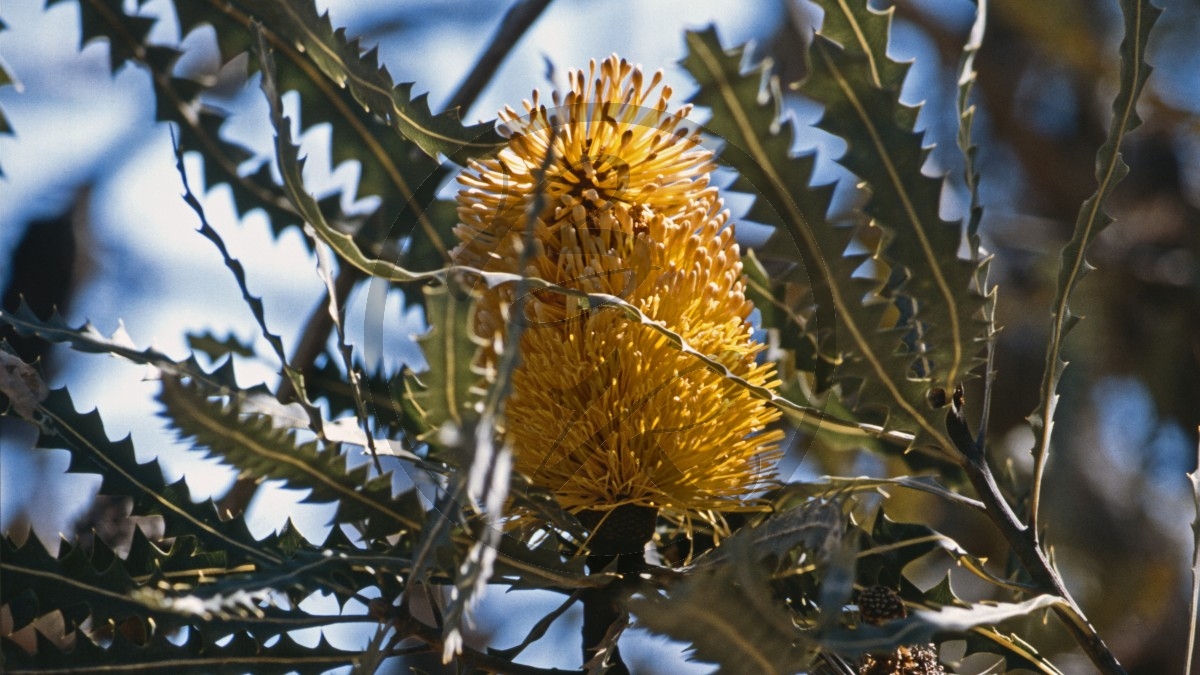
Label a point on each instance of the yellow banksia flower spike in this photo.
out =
(605, 412)
(613, 144)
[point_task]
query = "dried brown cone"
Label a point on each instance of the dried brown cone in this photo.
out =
(908, 660)
(880, 604)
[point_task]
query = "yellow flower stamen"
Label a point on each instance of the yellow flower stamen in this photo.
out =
(604, 411)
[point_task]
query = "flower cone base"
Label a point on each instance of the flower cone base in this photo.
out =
(623, 530)
(620, 534)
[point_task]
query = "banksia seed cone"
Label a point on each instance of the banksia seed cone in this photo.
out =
(880, 604)
(910, 660)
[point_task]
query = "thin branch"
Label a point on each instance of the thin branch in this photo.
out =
(316, 330)
(1024, 544)
(337, 314)
(487, 663)
(518, 20)
(539, 629)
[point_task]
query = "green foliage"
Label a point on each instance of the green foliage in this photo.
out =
(1139, 17)
(860, 87)
(6, 80)
(877, 318)
(924, 626)
(443, 393)
(866, 344)
(197, 655)
(257, 445)
(218, 348)
(770, 576)
(97, 584)
(344, 64)
(178, 101)
(88, 339)
(710, 610)
(82, 435)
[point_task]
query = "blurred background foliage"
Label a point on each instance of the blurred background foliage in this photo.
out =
(89, 219)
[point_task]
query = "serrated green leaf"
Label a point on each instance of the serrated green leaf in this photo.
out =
(867, 346)
(943, 595)
(177, 100)
(966, 120)
(228, 23)
(447, 391)
(518, 564)
(98, 18)
(197, 656)
(817, 525)
(777, 300)
(6, 80)
(966, 145)
(256, 445)
(217, 348)
(890, 547)
(69, 583)
(860, 88)
(182, 558)
(96, 584)
(222, 380)
(89, 340)
(234, 600)
(405, 181)
(862, 30)
(291, 375)
(345, 62)
(923, 626)
(62, 427)
(926, 484)
(1139, 18)
(713, 611)
(354, 375)
(762, 159)
(1016, 652)
(327, 382)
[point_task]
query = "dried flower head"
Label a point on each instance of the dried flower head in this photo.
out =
(605, 411)
(879, 604)
(905, 660)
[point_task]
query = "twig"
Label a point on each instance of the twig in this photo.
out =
(518, 20)
(539, 629)
(600, 613)
(316, 329)
(488, 663)
(336, 311)
(1024, 544)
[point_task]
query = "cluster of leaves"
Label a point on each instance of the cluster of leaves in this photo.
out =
(875, 359)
